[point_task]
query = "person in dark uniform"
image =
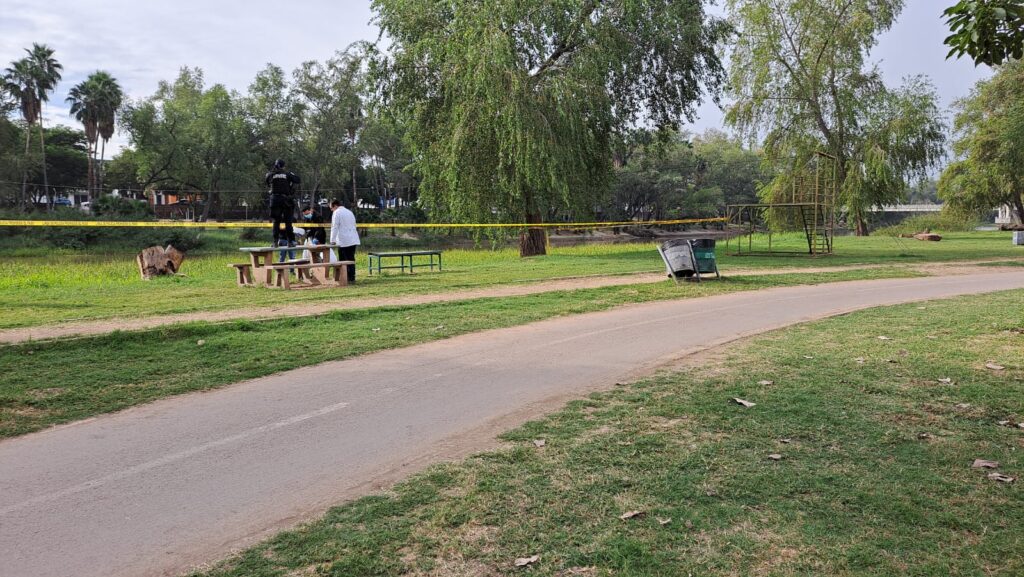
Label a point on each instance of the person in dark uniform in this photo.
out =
(282, 202)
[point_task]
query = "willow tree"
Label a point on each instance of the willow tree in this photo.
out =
(802, 81)
(512, 105)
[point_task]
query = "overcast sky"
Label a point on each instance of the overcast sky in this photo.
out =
(142, 42)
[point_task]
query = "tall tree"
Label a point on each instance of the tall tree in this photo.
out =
(67, 152)
(46, 72)
(111, 96)
(989, 31)
(989, 170)
(801, 80)
(512, 105)
(83, 103)
(95, 102)
(329, 95)
(20, 83)
(193, 139)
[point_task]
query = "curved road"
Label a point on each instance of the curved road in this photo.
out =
(157, 489)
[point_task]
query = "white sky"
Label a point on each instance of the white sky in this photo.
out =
(141, 42)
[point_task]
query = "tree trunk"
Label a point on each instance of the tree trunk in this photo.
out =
(206, 206)
(101, 172)
(1018, 206)
(42, 148)
(156, 260)
(91, 173)
(532, 241)
(24, 170)
(355, 195)
(862, 226)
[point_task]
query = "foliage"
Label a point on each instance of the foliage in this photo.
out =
(989, 170)
(118, 208)
(66, 163)
(989, 31)
(193, 139)
(252, 234)
(122, 172)
(682, 178)
(511, 106)
(29, 82)
(11, 159)
(66, 160)
(128, 239)
(924, 191)
(95, 102)
(939, 223)
(800, 79)
(329, 96)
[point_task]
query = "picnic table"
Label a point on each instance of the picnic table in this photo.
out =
(316, 270)
(402, 256)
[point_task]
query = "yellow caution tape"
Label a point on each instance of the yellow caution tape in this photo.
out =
(189, 224)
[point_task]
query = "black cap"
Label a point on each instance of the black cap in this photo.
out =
(278, 163)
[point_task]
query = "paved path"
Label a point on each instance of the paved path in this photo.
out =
(156, 489)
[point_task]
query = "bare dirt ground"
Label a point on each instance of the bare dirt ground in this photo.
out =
(99, 327)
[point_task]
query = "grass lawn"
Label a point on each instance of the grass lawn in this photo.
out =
(122, 369)
(873, 475)
(63, 286)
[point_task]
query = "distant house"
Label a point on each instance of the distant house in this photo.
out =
(1006, 216)
(160, 197)
(171, 204)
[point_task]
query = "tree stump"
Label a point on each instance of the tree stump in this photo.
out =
(156, 261)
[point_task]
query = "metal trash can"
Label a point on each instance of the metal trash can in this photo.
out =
(679, 260)
(704, 252)
(1018, 238)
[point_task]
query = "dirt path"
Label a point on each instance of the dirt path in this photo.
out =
(103, 326)
(156, 489)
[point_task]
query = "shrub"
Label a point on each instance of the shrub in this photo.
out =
(251, 234)
(935, 222)
(118, 238)
(117, 208)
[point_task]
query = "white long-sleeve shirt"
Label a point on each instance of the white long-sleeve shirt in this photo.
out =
(343, 227)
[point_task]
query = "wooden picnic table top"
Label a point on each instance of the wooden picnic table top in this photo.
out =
(286, 248)
(406, 253)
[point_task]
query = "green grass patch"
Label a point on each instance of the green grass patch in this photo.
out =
(123, 369)
(1005, 263)
(66, 286)
(875, 474)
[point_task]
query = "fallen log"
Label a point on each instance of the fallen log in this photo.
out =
(157, 261)
(928, 236)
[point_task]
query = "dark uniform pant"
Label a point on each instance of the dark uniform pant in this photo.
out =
(281, 213)
(348, 253)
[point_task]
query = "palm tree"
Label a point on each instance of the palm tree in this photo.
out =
(84, 107)
(46, 72)
(19, 82)
(95, 102)
(110, 97)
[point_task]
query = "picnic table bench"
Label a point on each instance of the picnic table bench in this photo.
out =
(378, 257)
(262, 271)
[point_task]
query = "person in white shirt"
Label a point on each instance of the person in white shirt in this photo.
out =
(345, 235)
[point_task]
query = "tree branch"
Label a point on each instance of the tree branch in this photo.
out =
(569, 44)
